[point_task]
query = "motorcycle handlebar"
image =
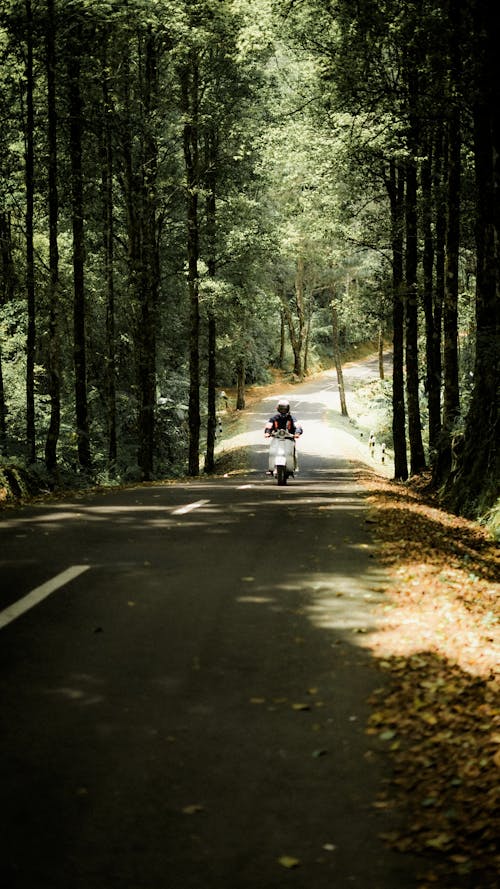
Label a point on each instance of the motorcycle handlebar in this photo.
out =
(281, 433)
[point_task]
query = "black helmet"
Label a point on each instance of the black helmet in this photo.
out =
(283, 406)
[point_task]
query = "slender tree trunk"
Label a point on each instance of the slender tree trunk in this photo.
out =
(451, 405)
(307, 338)
(79, 312)
(133, 203)
(439, 289)
(7, 278)
(395, 185)
(296, 331)
(211, 215)
(281, 358)
(338, 359)
(451, 393)
(3, 406)
(190, 100)
(381, 371)
(108, 243)
(53, 361)
(472, 487)
(3, 410)
(149, 270)
(294, 340)
(417, 457)
(298, 368)
(432, 380)
(30, 255)
(211, 397)
(240, 384)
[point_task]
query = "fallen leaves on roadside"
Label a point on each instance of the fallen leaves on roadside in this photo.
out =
(193, 809)
(289, 862)
(438, 646)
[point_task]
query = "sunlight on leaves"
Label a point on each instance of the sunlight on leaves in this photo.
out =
(437, 643)
(193, 809)
(289, 862)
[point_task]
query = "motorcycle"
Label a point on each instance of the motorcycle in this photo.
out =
(282, 455)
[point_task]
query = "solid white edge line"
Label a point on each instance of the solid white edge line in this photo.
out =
(40, 593)
(189, 507)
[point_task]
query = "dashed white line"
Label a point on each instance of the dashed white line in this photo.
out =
(40, 593)
(182, 510)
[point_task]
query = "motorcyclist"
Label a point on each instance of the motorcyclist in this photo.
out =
(283, 419)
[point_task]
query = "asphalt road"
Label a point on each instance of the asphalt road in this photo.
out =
(186, 708)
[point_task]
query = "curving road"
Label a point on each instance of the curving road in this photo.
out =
(184, 679)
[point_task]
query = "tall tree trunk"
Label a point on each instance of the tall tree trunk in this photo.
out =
(53, 357)
(432, 382)
(307, 338)
(451, 401)
(417, 456)
(133, 205)
(296, 330)
(337, 358)
(149, 270)
(79, 307)
(381, 371)
(451, 393)
(434, 258)
(211, 215)
(240, 384)
(441, 155)
(190, 101)
(4, 254)
(298, 368)
(294, 340)
(3, 410)
(30, 255)
(395, 186)
(108, 243)
(211, 396)
(7, 278)
(281, 357)
(472, 487)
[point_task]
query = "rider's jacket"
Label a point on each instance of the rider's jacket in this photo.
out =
(283, 421)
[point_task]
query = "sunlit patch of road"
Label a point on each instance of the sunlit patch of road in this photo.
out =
(327, 434)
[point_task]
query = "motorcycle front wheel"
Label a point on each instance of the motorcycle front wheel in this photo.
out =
(281, 472)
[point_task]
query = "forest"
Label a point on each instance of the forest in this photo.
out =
(193, 192)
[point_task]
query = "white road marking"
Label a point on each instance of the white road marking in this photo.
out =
(40, 593)
(244, 487)
(189, 507)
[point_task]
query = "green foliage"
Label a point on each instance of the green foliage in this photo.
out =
(19, 482)
(232, 48)
(301, 108)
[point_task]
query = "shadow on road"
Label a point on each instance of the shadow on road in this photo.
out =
(205, 688)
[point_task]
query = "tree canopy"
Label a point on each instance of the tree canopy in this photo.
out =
(192, 192)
